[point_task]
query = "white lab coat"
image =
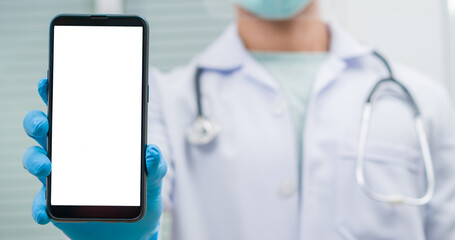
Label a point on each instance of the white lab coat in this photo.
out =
(244, 185)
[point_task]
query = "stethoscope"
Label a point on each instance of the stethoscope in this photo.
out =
(418, 123)
(205, 130)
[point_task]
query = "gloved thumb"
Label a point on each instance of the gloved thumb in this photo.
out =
(156, 165)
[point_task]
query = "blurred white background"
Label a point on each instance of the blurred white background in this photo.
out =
(419, 33)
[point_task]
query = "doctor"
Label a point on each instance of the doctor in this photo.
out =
(288, 92)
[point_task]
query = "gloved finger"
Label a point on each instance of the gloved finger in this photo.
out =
(36, 126)
(42, 89)
(155, 164)
(35, 160)
(39, 213)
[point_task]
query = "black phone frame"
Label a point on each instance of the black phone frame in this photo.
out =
(67, 213)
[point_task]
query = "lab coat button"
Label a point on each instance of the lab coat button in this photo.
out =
(278, 108)
(287, 188)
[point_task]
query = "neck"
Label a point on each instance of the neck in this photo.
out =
(303, 33)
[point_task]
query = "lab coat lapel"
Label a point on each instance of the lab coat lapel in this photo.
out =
(331, 68)
(343, 49)
(255, 72)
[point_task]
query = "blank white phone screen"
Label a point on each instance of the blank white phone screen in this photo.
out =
(96, 116)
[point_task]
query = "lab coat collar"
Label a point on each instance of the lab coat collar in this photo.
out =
(344, 50)
(344, 46)
(228, 53)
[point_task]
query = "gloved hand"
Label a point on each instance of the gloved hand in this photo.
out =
(35, 160)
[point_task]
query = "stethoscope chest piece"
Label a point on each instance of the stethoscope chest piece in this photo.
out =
(203, 131)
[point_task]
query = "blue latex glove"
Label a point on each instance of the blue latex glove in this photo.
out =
(35, 160)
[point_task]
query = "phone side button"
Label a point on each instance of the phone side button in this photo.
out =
(148, 93)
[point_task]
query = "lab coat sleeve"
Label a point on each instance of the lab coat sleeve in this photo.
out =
(440, 213)
(158, 134)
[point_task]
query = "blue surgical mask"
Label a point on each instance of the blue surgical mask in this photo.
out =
(273, 9)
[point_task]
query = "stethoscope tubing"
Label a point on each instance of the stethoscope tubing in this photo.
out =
(394, 199)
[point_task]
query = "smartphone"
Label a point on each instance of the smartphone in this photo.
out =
(97, 110)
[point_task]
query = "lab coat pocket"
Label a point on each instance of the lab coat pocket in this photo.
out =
(389, 169)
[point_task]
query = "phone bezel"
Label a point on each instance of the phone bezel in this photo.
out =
(69, 213)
